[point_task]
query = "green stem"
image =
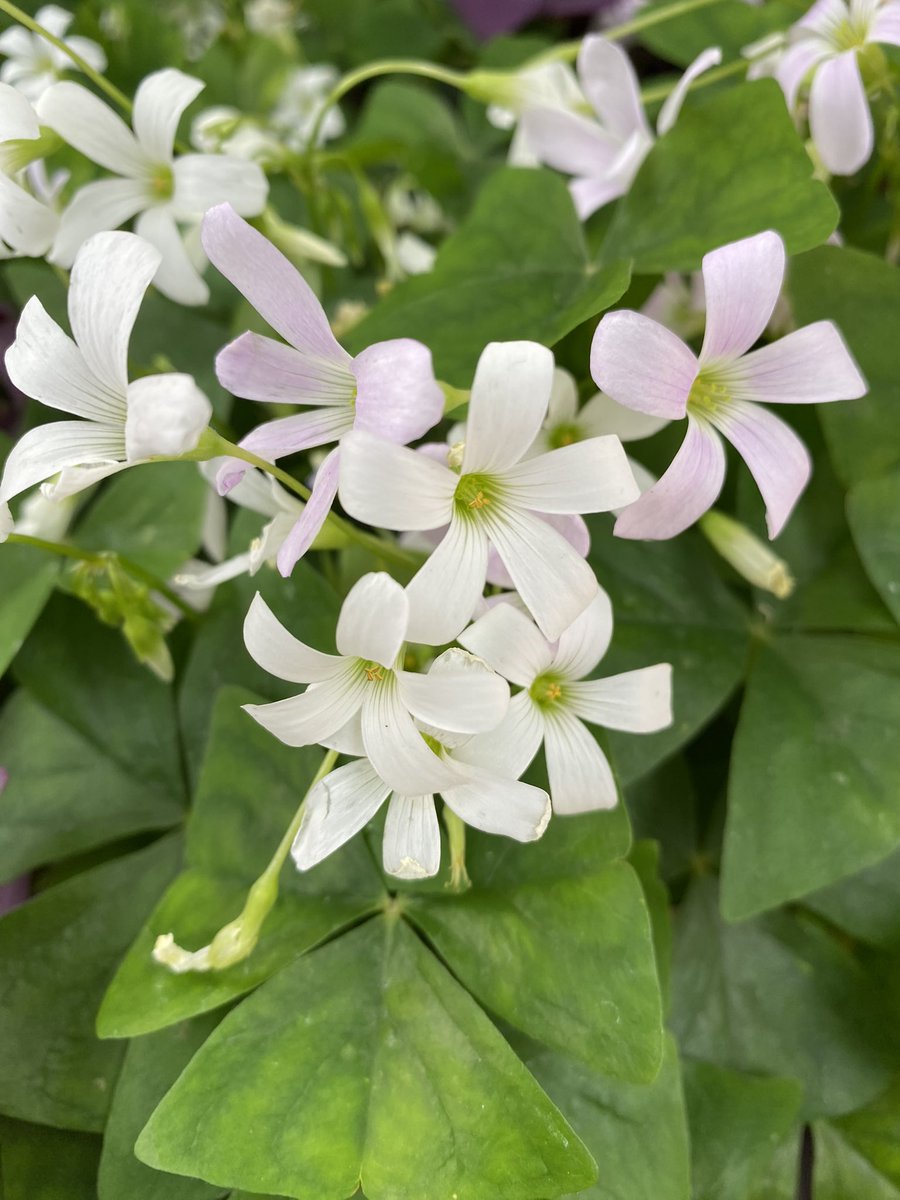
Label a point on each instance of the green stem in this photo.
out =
(726, 71)
(236, 941)
(100, 80)
(568, 51)
(100, 557)
(456, 832)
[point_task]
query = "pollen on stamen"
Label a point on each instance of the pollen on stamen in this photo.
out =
(374, 673)
(479, 500)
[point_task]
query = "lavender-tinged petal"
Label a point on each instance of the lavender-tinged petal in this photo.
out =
(569, 142)
(839, 119)
(796, 63)
(642, 365)
(313, 517)
(668, 114)
(259, 368)
(742, 282)
(611, 85)
(810, 366)
(397, 396)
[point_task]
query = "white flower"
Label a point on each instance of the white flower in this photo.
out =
(270, 17)
(300, 103)
(124, 423)
(360, 700)
(154, 185)
(349, 797)
(497, 498)
(551, 86)
(27, 226)
(33, 63)
(556, 699)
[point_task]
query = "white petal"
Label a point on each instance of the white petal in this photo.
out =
(47, 449)
(602, 415)
(373, 620)
(581, 779)
(392, 487)
(839, 117)
(569, 142)
(563, 406)
(85, 122)
(611, 84)
(412, 839)
(176, 276)
(510, 643)
(510, 395)
(636, 701)
(320, 711)
(46, 364)
(461, 701)
(280, 653)
(205, 180)
(72, 480)
(347, 739)
(159, 102)
(444, 592)
(551, 577)
(586, 477)
(17, 118)
(509, 749)
(498, 805)
(668, 114)
(742, 282)
(335, 810)
(111, 274)
(396, 749)
(106, 204)
(26, 225)
(583, 644)
(197, 576)
(166, 416)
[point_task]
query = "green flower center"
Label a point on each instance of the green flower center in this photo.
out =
(851, 34)
(162, 182)
(547, 690)
(564, 435)
(474, 494)
(432, 743)
(707, 395)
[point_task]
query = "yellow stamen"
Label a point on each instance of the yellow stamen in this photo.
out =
(479, 500)
(553, 692)
(374, 673)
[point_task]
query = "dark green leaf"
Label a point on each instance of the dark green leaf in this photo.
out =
(841, 1171)
(866, 905)
(732, 166)
(365, 1062)
(27, 577)
(517, 267)
(644, 858)
(40, 1163)
(872, 508)
(730, 24)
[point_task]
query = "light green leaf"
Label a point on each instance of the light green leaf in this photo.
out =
(569, 962)
(815, 752)
(151, 1066)
(861, 294)
(365, 1062)
(863, 1145)
(517, 267)
(57, 954)
(249, 788)
(866, 905)
(64, 795)
(872, 508)
(732, 166)
(27, 577)
(777, 995)
(737, 1123)
(841, 1171)
(669, 605)
(780, 1181)
(40, 1163)
(636, 1132)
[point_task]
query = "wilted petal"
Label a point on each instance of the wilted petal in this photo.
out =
(391, 487)
(159, 102)
(373, 620)
(398, 397)
(176, 276)
(777, 458)
(581, 779)
(396, 749)
(611, 84)
(497, 805)
(689, 487)
(586, 477)
(314, 515)
(742, 282)
(85, 122)
(336, 809)
(839, 117)
(202, 181)
(259, 368)
(583, 644)
(320, 711)
(508, 404)
(47, 449)
(280, 653)
(809, 366)
(166, 416)
(510, 643)
(668, 114)
(411, 848)
(444, 591)
(106, 204)
(642, 365)
(636, 701)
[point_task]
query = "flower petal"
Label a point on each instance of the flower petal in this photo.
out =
(668, 114)
(277, 291)
(166, 416)
(642, 365)
(777, 458)
(886, 27)
(635, 701)
(26, 225)
(397, 395)
(796, 63)
(497, 805)
(392, 487)
(202, 181)
(460, 701)
(568, 142)
(396, 749)
(313, 517)
(839, 117)
(85, 122)
(611, 84)
(742, 282)
(602, 415)
(287, 435)
(159, 102)
(689, 487)
(586, 477)
(551, 577)
(45, 363)
(281, 654)
(43, 451)
(509, 749)
(809, 366)
(259, 368)
(583, 644)
(581, 779)
(111, 274)
(176, 276)
(106, 204)
(509, 643)
(508, 404)
(411, 848)
(444, 592)
(373, 620)
(17, 117)
(320, 711)
(590, 194)
(336, 809)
